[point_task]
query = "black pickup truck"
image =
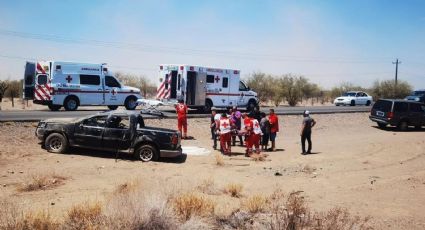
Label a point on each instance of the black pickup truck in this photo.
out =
(111, 131)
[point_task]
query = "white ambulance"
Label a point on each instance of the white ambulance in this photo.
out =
(70, 85)
(204, 87)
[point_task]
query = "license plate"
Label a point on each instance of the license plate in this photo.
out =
(380, 113)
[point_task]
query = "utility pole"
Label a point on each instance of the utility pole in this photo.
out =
(396, 69)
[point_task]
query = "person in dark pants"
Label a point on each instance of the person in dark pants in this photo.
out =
(305, 133)
(215, 117)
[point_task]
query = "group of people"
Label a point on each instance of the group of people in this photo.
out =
(254, 130)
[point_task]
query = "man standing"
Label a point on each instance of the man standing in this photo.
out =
(305, 133)
(274, 128)
(225, 128)
(181, 110)
(265, 128)
(236, 116)
(215, 117)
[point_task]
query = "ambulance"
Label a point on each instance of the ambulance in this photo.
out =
(204, 87)
(69, 84)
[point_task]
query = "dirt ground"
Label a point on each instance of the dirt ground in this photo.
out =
(371, 172)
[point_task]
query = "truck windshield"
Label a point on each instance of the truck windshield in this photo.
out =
(418, 93)
(242, 86)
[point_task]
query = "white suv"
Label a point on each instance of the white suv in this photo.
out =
(353, 98)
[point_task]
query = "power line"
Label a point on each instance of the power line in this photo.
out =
(186, 51)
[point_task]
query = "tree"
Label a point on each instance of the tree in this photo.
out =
(141, 82)
(261, 83)
(388, 89)
(3, 87)
(14, 90)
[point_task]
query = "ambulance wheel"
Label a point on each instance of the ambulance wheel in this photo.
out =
(251, 105)
(112, 107)
(54, 107)
(71, 103)
(130, 103)
(208, 106)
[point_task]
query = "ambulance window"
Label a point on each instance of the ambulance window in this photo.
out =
(225, 82)
(242, 86)
(210, 78)
(111, 82)
(166, 81)
(42, 79)
(178, 81)
(89, 79)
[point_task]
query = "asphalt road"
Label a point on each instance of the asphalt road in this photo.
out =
(37, 115)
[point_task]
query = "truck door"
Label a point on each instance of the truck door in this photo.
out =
(117, 133)
(29, 81)
(89, 131)
(201, 85)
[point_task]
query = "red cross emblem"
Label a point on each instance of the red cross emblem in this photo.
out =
(114, 91)
(225, 124)
(256, 125)
(217, 79)
(69, 78)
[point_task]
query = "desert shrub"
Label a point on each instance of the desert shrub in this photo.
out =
(219, 159)
(147, 89)
(190, 204)
(388, 89)
(41, 181)
(207, 186)
(235, 190)
(85, 216)
(254, 204)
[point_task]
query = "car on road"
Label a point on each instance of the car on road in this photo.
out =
(354, 98)
(110, 131)
(417, 95)
(400, 113)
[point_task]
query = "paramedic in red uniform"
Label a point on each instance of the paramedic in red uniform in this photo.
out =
(248, 134)
(274, 128)
(256, 134)
(225, 128)
(181, 110)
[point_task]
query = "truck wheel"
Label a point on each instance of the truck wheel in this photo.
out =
(403, 125)
(112, 107)
(251, 105)
(382, 125)
(71, 103)
(353, 103)
(367, 103)
(130, 103)
(54, 107)
(56, 143)
(208, 106)
(146, 153)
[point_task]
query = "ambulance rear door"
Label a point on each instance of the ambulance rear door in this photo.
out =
(201, 85)
(234, 94)
(29, 81)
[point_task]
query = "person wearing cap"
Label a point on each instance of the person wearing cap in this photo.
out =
(305, 133)
(181, 110)
(274, 128)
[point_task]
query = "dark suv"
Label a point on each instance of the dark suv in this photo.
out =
(400, 113)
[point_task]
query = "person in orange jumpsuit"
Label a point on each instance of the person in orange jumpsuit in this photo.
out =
(225, 130)
(181, 110)
(248, 130)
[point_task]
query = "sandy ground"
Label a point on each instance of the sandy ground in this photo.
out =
(372, 172)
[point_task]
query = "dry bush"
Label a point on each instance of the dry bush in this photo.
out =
(85, 216)
(219, 159)
(339, 218)
(196, 223)
(136, 209)
(207, 186)
(39, 220)
(254, 204)
(235, 190)
(190, 204)
(41, 182)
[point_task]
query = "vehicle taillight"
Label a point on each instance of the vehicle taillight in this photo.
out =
(390, 114)
(174, 139)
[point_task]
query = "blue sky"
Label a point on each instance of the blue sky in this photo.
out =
(328, 41)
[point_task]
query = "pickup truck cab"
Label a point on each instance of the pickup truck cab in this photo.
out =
(400, 113)
(111, 131)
